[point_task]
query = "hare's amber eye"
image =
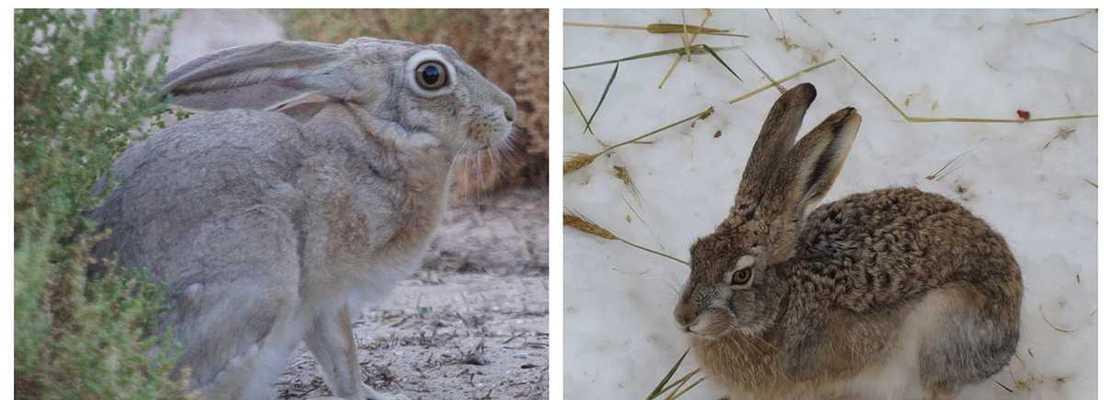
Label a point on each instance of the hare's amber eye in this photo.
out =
(432, 75)
(742, 277)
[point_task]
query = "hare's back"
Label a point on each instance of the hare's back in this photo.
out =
(890, 245)
(211, 166)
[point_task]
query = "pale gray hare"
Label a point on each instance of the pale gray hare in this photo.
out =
(307, 192)
(890, 294)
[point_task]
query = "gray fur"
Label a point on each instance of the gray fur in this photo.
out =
(894, 281)
(312, 188)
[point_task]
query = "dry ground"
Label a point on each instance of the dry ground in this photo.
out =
(472, 324)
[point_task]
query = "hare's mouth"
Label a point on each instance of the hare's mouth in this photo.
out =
(710, 325)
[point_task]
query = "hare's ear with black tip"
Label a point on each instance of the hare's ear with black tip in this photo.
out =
(771, 148)
(265, 76)
(815, 161)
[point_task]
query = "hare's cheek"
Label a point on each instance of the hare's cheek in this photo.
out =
(478, 131)
(488, 128)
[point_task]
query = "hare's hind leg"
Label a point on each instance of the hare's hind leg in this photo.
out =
(330, 340)
(235, 303)
(974, 336)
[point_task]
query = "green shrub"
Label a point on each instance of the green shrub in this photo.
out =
(83, 85)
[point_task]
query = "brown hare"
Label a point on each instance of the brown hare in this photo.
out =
(890, 294)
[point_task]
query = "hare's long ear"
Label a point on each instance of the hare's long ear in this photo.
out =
(263, 76)
(816, 160)
(770, 150)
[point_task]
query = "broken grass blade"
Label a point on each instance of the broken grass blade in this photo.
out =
(918, 119)
(940, 173)
(668, 377)
(877, 89)
(763, 72)
(578, 109)
(577, 161)
(723, 62)
(701, 115)
(697, 49)
(1053, 20)
(605, 91)
(608, 26)
(754, 92)
(671, 67)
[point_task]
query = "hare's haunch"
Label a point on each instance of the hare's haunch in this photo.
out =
(309, 191)
(894, 293)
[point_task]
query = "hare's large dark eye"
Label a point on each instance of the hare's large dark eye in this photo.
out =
(432, 75)
(743, 271)
(742, 277)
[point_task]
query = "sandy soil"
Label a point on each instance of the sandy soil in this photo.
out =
(472, 324)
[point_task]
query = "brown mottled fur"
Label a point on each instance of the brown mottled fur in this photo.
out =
(894, 281)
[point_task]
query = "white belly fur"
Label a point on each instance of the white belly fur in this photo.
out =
(898, 377)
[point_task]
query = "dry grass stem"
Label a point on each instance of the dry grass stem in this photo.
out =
(659, 28)
(695, 49)
(940, 173)
(607, 26)
(699, 116)
(684, 28)
(1090, 182)
(687, 40)
(583, 225)
(668, 73)
(580, 160)
(917, 119)
(799, 73)
(763, 72)
(1052, 326)
(637, 214)
(1063, 134)
(1053, 20)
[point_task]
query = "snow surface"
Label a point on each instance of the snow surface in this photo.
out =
(620, 335)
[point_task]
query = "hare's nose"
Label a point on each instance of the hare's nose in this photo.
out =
(509, 115)
(685, 316)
